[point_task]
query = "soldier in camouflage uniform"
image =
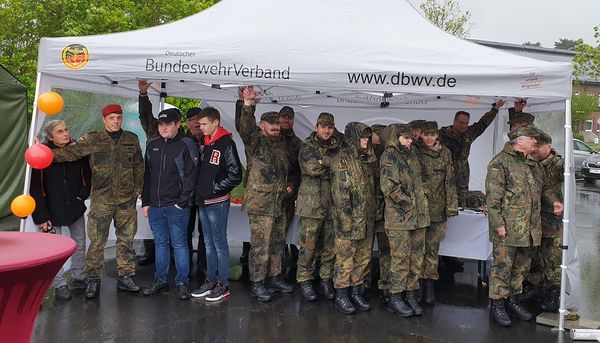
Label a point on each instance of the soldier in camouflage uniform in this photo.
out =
(517, 118)
(458, 138)
(117, 178)
(417, 128)
(514, 186)
(406, 217)
(545, 265)
(440, 188)
(314, 208)
(353, 193)
(266, 192)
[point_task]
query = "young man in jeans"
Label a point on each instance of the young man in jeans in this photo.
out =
(220, 172)
(169, 181)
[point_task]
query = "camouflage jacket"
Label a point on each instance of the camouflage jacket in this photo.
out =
(117, 168)
(460, 145)
(554, 166)
(314, 195)
(292, 144)
(267, 178)
(352, 186)
(513, 186)
(379, 199)
(406, 206)
(438, 181)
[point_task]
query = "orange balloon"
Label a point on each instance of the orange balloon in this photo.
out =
(23, 205)
(50, 103)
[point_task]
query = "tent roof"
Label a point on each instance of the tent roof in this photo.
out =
(301, 47)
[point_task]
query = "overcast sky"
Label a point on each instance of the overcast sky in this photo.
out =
(519, 21)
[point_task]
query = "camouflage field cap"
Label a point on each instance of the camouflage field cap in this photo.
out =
(544, 138)
(271, 117)
(287, 111)
(326, 119)
(417, 124)
(377, 128)
(430, 127)
(514, 118)
(404, 130)
(527, 131)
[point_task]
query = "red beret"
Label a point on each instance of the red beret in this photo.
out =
(112, 108)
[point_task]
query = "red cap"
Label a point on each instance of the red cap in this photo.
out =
(112, 108)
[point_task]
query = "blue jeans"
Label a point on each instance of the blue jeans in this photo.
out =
(214, 226)
(169, 227)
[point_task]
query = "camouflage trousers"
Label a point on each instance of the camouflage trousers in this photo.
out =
(434, 234)
(383, 244)
(366, 274)
(545, 263)
(351, 258)
(267, 238)
(99, 219)
(509, 268)
(310, 231)
(407, 250)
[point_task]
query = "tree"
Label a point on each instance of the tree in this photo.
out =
(23, 23)
(448, 17)
(528, 43)
(567, 44)
(582, 106)
(586, 63)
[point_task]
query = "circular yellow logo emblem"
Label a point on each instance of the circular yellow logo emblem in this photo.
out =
(75, 56)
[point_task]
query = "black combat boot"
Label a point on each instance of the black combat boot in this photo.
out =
(342, 303)
(498, 313)
(92, 289)
(126, 283)
(517, 309)
(308, 293)
(411, 299)
(551, 301)
(429, 291)
(358, 300)
(278, 285)
(385, 296)
(327, 289)
(397, 305)
(530, 292)
(259, 291)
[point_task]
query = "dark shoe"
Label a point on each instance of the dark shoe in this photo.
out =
(411, 299)
(531, 292)
(429, 293)
(221, 291)
(308, 293)
(92, 289)
(358, 300)
(385, 296)
(397, 305)
(327, 289)
(184, 292)
(158, 286)
(498, 313)
(551, 301)
(78, 284)
(205, 289)
(126, 283)
(515, 307)
(62, 293)
(278, 285)
(146, 259)
(259, 291)
(342, 302)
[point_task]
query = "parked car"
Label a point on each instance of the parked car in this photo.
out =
(590, 169)
(581, 151)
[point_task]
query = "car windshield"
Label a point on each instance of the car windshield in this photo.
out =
(582, 147)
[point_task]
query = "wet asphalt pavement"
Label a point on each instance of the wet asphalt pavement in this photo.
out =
(460, 314)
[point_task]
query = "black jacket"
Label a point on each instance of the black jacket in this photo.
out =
(220, 169)
(170, 174)
(60, 190)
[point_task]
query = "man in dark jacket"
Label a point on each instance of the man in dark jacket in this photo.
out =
(220, 172)
(169, 180)
(59, 192)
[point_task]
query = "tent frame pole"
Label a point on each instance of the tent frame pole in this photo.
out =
(30, 140)
(566, 214)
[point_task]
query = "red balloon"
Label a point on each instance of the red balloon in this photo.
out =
(39, 156)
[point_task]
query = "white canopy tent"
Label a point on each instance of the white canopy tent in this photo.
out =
(378, 61)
